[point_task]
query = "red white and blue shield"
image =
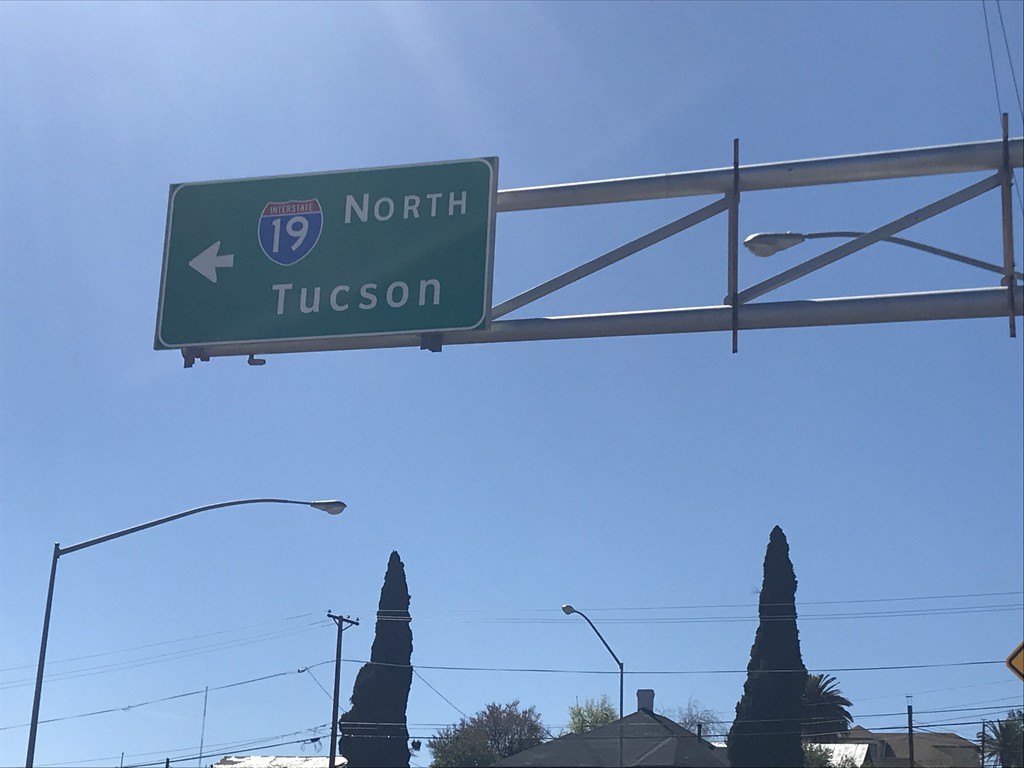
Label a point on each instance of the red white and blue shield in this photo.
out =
(289, 230)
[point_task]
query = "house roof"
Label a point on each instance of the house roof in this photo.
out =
(278, 761)
(648, 740)
(931, 750)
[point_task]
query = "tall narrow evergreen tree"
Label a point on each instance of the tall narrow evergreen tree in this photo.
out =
(766, 731)
(374, 730)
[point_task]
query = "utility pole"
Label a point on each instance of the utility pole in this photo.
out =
(910, 729)
(341, 621)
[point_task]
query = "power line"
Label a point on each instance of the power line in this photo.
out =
(226, 748)
(703, 671)
(170, 642)
(219, 749)
(518, 670)
(815, 602)
(415, 672)
(156, 659)
(126, 707)
(278, 634)
(1009, 58)
(184, 653)
(326, 692)
(995, 79)
(991, 58)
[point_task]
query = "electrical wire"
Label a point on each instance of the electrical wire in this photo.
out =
(518, 670)
(995, 79)
(158, 658)
(1009, 58)
(326, 692)
(992, 58)
(449, 701)
(227, 748)
(126, 707)
(277, 634)
(168, 642)
(816, 602)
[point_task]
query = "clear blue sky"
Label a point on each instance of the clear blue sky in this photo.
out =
(637, 478)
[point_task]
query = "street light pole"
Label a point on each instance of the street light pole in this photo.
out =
(330, 507)
(568, 610)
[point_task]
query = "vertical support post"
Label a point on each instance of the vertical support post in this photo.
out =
(1007, 180)
(34, 724)
(202, 733)
(734, 243)
(910, 732)
(622, 675)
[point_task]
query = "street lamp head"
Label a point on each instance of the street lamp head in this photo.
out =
(330, 507)
(568, 610)
(770, 243)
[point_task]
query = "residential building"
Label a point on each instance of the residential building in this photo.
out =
(645, 738)
(931, 750)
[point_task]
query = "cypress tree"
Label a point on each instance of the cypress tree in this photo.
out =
(766, 731)
(374, 730)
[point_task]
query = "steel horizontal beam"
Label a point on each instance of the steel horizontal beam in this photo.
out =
(851, 310)
(892, 164)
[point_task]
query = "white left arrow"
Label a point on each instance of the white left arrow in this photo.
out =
(207, 262)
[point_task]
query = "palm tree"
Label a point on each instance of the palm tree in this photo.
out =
(825, 716)
(1004, 740)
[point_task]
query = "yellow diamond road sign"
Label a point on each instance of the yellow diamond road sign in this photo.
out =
(1015, 661)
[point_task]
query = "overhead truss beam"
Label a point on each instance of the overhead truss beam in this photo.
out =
(736, 313)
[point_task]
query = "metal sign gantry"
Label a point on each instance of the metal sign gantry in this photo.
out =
(738, 311)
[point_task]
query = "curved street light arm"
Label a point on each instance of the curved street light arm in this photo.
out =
(600, 637)
(922, 247)
(331, 507)
(179, 516)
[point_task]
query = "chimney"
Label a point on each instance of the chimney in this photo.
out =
(645, 699)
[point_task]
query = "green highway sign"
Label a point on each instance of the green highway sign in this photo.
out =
(404, 249)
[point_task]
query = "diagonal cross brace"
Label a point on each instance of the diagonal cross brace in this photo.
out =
(611, 257)
(869, 238)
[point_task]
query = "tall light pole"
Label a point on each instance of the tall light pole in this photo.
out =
(568, 610)
(769, 243)
(330, 507)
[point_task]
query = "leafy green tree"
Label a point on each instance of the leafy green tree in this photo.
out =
(454, 747)
(495, 732)
(766, 731)
(819, 756)
(591, 714)
(374, 730)
(824, 709)
(816, 756)
(1003, 741)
